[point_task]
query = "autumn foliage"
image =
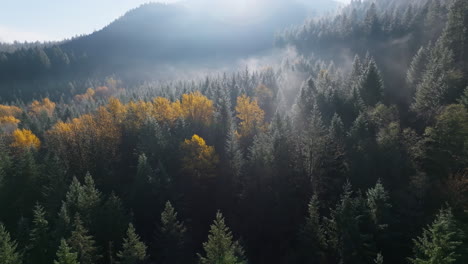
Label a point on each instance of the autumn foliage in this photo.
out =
(7, 110)
(251, 116)
(8, 123)
(86, 139)
(45, 106)
(197, 107)
(199, 159)
(24, 138)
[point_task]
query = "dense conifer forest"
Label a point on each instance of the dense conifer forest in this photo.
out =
(352, 148)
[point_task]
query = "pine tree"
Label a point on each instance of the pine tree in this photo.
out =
(171, 239)
(38, 249)
(377, 200)
(234, 154)
(416, 70)
(8, 251)
(371, 87)
(83, 243)
(455, 36)
(63, 223)
(440, 243)
(83, 199)
(433, 90)
(312, 234)
(133, 249)
(112, 221)
(305, 103)
(347, 226)
(64, 254)
(220, 247)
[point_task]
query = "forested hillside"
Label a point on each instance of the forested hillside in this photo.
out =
(352, 149)
(147, 43)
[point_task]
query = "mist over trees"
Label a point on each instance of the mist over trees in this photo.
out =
(352, 149)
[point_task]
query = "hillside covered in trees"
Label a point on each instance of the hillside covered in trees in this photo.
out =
(352, 148)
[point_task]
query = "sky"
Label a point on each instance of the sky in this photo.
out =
(53, 20)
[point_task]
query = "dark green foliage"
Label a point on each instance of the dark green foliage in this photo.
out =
(65, 255)
(378, 203)
(133, 250)
(348, 229)
(327, 119)
(8, 250)
(371, 87)
(441, 242)
(313, 239)
(39, 250)
(82, 243)
(220, 247)
(171, 238)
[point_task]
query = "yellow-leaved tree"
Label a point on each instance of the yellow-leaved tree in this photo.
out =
(197, 108)
(8, 124)
(166, 111)
(7, 110)
(24, 138)
(250, 115)
(86, 140)
(116, 109)
(199, 159)
(45, 106)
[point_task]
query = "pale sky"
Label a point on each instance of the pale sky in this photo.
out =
(51, 20)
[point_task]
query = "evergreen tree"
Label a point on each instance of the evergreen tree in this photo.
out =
(371, 87)
(416, 70)
(349, 236)
(313, 234)
(83, 243)
(433, 90)
(171, 241)
(133, 250)
(39, 247)
(64, 254)
(220, 247)
(83, 199)
(441, 242)
(112, 221)
(377, 200)
(8, 251)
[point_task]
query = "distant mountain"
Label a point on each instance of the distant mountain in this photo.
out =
(190, 32)
(155, 36)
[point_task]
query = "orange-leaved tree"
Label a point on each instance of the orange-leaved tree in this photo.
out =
(199, 159)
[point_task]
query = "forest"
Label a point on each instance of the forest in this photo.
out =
(352, 148)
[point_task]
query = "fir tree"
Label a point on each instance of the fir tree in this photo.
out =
(83, 243)
(220, 247)
(312, 234)
(377, 200)
(133, 249)
(441, 242)
(371, 87)
(171, 238)
(64, 254)
(8, 251)
(416, 70)
(39, 237)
